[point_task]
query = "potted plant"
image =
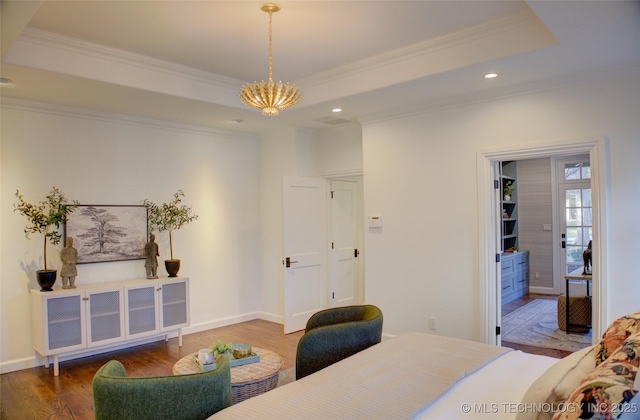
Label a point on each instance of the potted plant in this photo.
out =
(508, 190)
(45, 218)
(169, 217)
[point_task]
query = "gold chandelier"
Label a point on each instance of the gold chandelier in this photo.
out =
(269, 97)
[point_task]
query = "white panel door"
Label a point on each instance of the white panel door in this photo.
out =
(344, 243)
(304, 250)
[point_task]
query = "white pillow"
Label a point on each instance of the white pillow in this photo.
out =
(554, 386)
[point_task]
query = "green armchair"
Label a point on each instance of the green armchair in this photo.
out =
(335, 334)
(195, 396)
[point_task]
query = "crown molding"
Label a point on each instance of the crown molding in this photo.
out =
(555, 83)
(55, 41)
(82, 113)
(516, 21)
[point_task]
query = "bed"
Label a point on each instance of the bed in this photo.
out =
(422, 376)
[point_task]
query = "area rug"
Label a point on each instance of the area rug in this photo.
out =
(536, 324)
(286, 376)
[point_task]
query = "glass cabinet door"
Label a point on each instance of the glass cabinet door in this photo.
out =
(141, 310)
(105, 317)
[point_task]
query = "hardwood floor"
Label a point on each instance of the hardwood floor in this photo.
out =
(517, 303)
(37, 394)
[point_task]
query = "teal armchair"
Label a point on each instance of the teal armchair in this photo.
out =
(186, 397)
(337, 333)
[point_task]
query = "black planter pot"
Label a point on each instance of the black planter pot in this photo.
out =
(46, 279)
(172, 266)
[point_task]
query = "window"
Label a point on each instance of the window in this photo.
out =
(575, 190)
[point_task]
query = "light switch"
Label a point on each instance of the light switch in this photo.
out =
(546, 226)
(375, 221)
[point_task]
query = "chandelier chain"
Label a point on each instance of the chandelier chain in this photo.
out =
(270, 48)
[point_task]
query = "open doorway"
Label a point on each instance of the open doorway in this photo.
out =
(544, 200)
(489, 228)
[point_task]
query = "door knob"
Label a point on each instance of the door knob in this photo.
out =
(288, 262)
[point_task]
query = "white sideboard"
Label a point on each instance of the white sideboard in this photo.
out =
(97, 316)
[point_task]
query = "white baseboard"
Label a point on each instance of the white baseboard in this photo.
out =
(542, 290)
(223, 322)
(39, 360)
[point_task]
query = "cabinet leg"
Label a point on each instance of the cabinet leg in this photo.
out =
(56, 366)
(180, 337)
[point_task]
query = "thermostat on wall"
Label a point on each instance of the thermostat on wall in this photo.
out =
(375, 221)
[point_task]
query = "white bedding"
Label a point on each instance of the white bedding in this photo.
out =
(378, 388)
(493, 392)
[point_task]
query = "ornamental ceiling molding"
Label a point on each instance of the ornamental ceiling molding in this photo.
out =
(503, 26)
(124, 119)
(49, 40)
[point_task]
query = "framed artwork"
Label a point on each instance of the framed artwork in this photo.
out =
(108, 233)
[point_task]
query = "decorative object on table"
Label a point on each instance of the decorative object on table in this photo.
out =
(205, 356)
(247, 380)
(508, 190)
(237, 354)
(45, 218)
(169, 217)
(220, 347)
(69, 258)
(151, 255)
(240, 350)
(233, 362)
(105, 233)
(586, 259)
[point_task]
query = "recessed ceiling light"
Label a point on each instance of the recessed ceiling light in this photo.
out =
(238, 121)
(490, 75)
(336, 110)
(4, 80)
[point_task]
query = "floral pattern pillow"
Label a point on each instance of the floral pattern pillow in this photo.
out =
(613, 337)
(606, 393)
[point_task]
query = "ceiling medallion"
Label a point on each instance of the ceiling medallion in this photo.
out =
(270, 97)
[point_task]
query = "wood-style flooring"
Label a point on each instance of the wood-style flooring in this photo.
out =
(37, 394)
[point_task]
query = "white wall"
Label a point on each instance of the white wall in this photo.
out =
(100, 159)
(277, 158)
(340, 150)
(420, 175)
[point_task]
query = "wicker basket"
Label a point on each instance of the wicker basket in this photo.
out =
(247, 380)
(243, 391)
(580, 313)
